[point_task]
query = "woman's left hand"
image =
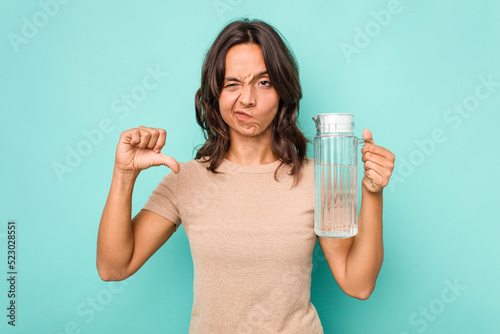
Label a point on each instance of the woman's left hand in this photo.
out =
(378, 164)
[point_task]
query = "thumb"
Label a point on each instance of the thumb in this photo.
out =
(367, 136)
(170, 162)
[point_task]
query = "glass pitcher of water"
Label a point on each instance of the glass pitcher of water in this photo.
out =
(335, 176)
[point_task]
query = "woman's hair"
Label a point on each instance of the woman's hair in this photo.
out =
(288, 143)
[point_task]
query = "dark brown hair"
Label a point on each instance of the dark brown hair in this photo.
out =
(288, 143)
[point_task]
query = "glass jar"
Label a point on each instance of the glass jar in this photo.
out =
(336, 176)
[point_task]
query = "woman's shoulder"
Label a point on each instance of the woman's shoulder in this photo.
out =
(192, 165)
(308, 163)
(308, 166)
(309, 160)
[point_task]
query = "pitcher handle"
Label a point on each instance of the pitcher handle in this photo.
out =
(362, 142)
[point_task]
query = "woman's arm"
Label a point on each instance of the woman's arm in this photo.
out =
(115, 240)
(355, 262)
(124, 245)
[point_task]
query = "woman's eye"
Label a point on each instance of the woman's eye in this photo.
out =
(229, 85)
(266, 83)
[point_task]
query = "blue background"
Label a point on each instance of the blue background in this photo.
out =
(402, 76)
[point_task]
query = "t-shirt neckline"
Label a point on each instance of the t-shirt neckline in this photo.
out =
(229, 166)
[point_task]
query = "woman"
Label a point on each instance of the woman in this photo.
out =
(246, 200)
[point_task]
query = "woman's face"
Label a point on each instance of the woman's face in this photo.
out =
(248, 102)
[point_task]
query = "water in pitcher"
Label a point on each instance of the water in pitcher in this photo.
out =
(338, 197)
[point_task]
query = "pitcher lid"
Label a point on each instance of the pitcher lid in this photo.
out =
(334, 122)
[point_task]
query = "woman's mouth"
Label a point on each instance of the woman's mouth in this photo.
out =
(241, 116)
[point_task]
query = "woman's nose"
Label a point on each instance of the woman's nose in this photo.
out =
(247, 96)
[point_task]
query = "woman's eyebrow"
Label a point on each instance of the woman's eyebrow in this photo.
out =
(234, 79)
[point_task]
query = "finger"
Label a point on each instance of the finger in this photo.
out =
(169, 162)
(377, 159)
(369, 184)
(145, 137)
(367, 136)
(162, 137)
(384, 172)
(375, 149)
(132, 137)
(148, 136)
(375, 177)
(370, 181)
(154, 137)
(153, 140)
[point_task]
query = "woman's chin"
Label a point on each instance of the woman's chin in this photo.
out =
(248, 131)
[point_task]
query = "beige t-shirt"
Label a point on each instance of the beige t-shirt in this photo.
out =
(251, 239)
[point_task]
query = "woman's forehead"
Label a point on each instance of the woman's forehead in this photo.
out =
(245, 61)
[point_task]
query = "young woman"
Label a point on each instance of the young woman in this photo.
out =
(247, 199)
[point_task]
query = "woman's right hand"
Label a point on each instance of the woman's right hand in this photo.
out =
(140, 148)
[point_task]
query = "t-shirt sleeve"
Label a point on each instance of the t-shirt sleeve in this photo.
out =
(163, 199)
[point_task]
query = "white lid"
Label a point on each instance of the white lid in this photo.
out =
(334, 122)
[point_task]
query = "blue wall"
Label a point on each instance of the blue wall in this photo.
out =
(422, 75)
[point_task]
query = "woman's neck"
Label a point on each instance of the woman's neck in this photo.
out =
(245, 150)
